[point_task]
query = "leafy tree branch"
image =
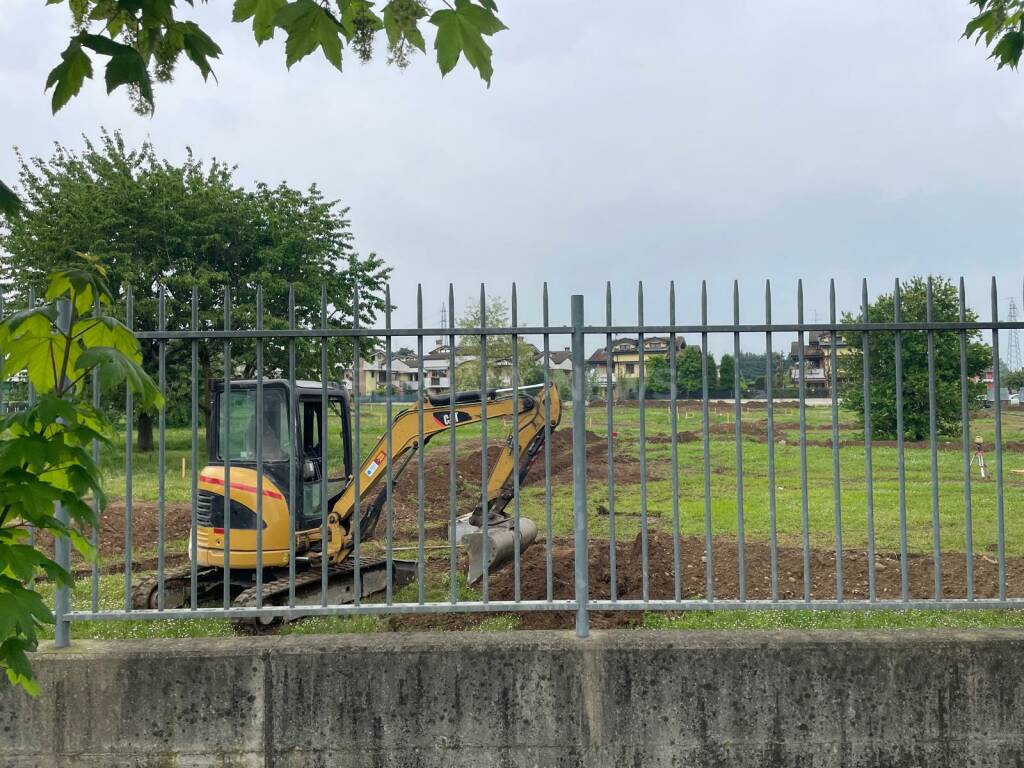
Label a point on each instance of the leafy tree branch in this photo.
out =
(45, 457)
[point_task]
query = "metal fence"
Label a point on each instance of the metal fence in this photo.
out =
(302, 567)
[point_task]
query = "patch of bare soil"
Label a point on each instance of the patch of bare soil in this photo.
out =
(693, 582)
(145, 529)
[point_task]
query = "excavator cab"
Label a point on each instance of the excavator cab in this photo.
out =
(291, 476)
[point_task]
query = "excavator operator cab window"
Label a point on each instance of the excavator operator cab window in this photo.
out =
(338, 460)
(245, 425)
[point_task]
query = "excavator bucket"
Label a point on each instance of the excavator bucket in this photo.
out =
(501, 545)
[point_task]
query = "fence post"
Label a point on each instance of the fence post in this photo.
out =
(579, 467)
(61, 546)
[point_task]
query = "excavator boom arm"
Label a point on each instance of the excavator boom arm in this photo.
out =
(534, 412)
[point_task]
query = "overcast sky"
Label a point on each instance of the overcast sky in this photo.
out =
(648, 140)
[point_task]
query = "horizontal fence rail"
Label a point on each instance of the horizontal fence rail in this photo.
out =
(304, 506)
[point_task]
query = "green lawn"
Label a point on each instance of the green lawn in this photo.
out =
(820, 486)
(111, 598)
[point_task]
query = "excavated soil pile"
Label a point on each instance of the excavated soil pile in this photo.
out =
(629, 575)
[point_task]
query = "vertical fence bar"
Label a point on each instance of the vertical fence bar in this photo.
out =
(294, 499)
(421, 557)
(769, 375)
(901, 467)
(677, 573)
(549, 569)
(357, 475)
(95, 568)
(324, 453)
(485, 504)
(62, 595)
(453, 576)
(642, 393)
(94, 577)
(837, 492)
(226, 449)
(965, 418)
(609, 385)
(869, 480)
(193, 542)
(708, 540)
(260, 426)
(389, 472)
(129, 424)
(933, 445)
(61, 544)
(997, 392)
(738, 410)
(31, 401)
(579, 468)
(161, 448)
(804, 515)
(516, 536)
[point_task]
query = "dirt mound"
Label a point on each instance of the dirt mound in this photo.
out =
(681, 437)
(693, 582)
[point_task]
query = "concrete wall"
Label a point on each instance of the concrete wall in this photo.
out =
(647, 699)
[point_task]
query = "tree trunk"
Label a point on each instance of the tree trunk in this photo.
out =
(144, 443)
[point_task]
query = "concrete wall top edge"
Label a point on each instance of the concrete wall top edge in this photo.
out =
(536, 640)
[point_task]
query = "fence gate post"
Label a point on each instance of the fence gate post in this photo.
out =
(579, 467)
(61, 545)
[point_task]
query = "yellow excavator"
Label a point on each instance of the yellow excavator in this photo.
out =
(290, 441)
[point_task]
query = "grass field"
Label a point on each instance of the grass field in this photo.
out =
(724, 483)
(820, 488)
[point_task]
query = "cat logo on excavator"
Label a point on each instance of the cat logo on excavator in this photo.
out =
(445, 419)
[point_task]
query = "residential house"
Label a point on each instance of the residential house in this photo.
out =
(817, 358)
(560, 360)
(625, 356)
(373, 374)
(437, 367)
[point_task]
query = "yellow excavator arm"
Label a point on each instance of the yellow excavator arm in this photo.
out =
(534, 411)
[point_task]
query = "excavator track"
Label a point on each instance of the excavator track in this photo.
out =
(341, 583)
(177, 587)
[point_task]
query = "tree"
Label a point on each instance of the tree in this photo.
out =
(45, 456)
(726, 372)
(499, 349)
(688, 372)
(562, 380)
(191, 226)
(658, 374)
(882, 370)
(1000, 23)
(1013, 381)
